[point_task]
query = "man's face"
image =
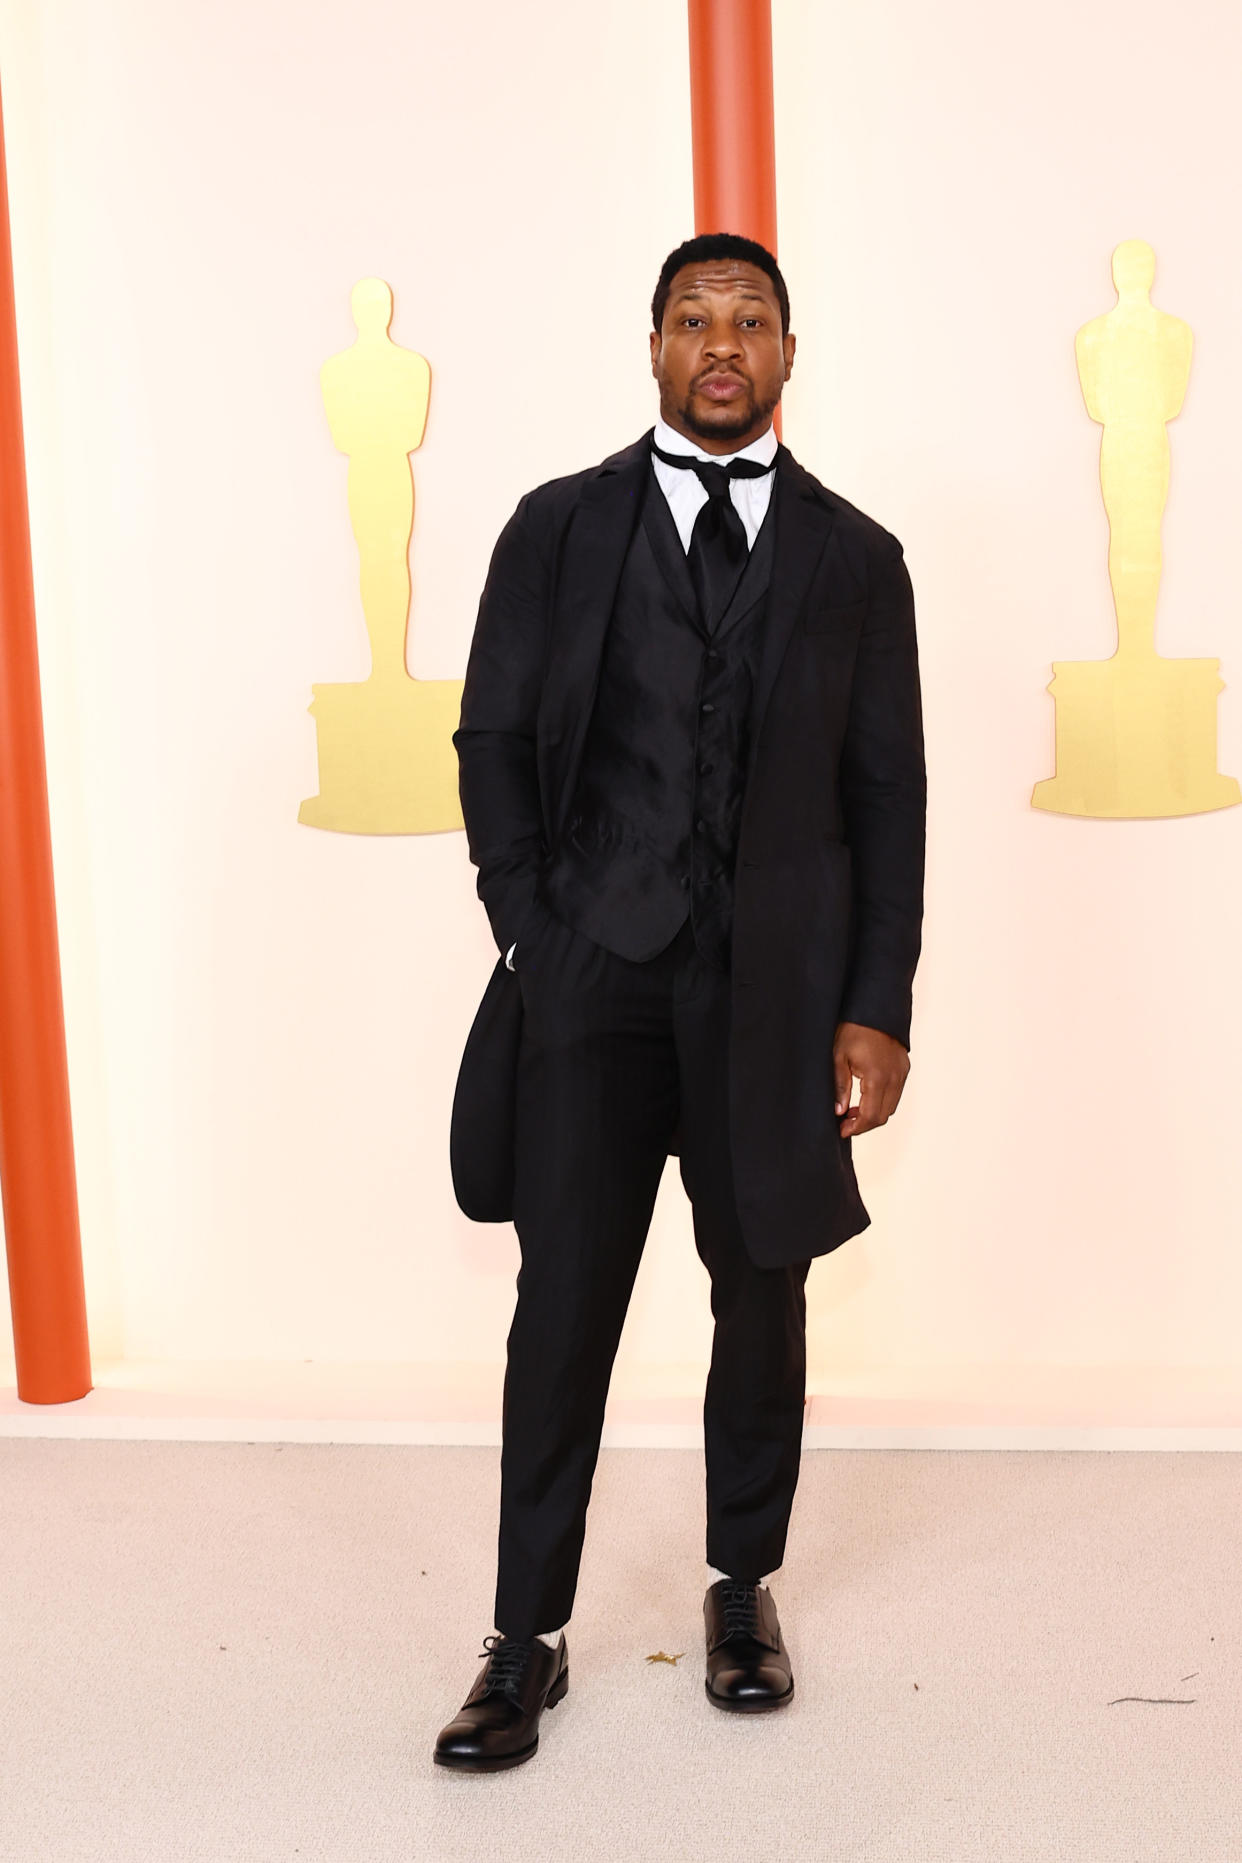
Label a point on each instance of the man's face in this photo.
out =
(719, 355)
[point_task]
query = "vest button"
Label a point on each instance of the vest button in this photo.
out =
(707, 708)
(705, 769)
(700, 824)
(713, 653)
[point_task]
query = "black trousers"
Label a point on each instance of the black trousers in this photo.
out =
(613, 1053)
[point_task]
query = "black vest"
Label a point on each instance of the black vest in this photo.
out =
(652, 828)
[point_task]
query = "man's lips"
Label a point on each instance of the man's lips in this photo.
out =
(721, 387)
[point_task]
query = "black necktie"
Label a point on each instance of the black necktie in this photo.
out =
(718, 546)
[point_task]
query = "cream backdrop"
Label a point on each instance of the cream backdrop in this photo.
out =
(264, 1019)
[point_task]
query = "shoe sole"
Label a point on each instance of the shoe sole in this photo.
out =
(752, 1705)
(499, 1761)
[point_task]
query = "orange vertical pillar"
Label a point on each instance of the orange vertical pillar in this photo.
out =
(37, 1174)
(732, 121)
(731, 118)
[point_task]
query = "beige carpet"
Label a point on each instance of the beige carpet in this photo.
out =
(241, 1654)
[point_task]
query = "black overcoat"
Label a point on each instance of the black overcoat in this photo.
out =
(828, 886)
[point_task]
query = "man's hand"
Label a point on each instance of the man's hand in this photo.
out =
(880, 1062)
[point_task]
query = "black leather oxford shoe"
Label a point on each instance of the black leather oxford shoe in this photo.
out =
(499, 1720)
(748, 1666)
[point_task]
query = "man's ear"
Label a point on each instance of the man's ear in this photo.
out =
(791, 344)
(655, 341)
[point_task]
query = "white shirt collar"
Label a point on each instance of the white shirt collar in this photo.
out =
(763, 449)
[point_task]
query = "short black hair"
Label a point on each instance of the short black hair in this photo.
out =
(718, 246)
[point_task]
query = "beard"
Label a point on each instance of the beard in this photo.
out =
(731, 419)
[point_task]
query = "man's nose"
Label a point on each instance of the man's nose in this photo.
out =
(722, 341)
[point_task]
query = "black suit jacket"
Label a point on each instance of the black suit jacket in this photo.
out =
(828, 887)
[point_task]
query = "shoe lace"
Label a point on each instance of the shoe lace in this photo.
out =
(739, 1607)
(507, 1659)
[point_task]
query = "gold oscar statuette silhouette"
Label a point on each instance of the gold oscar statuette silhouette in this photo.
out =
(1135, 734)
(386, 758)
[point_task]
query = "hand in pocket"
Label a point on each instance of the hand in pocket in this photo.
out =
(530, 935)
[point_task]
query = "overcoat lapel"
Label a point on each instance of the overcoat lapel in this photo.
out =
(803, 524)
(596, 540)
(666, 547)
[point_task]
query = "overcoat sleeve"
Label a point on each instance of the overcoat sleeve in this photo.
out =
(884, 800)
(495, 740)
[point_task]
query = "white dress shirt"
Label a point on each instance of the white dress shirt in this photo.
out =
(687, 494)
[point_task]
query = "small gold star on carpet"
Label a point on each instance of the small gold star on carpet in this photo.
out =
(661, 1657)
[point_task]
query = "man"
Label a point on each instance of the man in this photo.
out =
(692, 776)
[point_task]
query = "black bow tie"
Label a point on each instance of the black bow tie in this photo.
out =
(718, 546)
(714, 478)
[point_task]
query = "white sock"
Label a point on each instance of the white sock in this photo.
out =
(550, 1637)
(716, 1573)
